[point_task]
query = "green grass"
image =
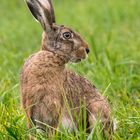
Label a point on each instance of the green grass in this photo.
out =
(112, 29)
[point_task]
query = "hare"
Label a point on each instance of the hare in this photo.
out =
(52, 94)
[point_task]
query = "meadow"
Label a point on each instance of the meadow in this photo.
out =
(112, 30)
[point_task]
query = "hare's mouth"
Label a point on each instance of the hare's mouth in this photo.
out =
(76, 60)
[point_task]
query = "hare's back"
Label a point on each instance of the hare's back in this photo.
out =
(79, 88)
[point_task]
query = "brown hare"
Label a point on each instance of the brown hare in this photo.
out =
(51, 94)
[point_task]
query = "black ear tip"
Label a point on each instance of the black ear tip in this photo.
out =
(42, 11)
(33, 9)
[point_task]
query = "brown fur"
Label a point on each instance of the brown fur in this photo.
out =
(50, 92)
(45, 82)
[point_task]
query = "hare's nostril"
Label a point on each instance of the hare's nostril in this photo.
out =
(87, 50)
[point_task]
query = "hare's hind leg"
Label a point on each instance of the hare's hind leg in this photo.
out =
(99, 111)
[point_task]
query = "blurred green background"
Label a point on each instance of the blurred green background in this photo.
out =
(112, 30)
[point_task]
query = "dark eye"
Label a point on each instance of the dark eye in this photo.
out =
(67, 35)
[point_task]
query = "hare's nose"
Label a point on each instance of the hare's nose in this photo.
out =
(87, 50)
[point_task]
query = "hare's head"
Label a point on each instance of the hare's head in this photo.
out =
(57, 38)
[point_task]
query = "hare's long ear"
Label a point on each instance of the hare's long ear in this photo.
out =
(43, 11)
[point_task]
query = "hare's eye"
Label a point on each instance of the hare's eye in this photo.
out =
(67, 35)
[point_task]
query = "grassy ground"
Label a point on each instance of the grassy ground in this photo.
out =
(112, 29)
